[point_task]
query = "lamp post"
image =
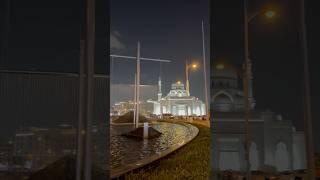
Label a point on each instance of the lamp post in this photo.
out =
(247, 81)
(188, 66)
(137, 87)
(86, 94)
(246, 93)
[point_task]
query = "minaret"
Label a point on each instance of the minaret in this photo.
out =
(250, 80)
(250, 86)
(159, 89)
(187, 79)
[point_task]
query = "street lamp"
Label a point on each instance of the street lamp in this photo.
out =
(307, 105)
(189, 66)
(247, 80)
(270, 14)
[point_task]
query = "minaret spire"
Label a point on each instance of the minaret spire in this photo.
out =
(159, 89)
(187, 78)
(250, 86)
(250, 79)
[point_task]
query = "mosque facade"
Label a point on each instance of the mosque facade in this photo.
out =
(274, 141)
(178, 102)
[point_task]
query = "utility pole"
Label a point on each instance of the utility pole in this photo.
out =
(135, 100)
(138, 86)
(81, 113)
(307, 99)
(246, 80)
(205, 74)
(89, 85)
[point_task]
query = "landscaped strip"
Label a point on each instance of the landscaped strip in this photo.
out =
(189, 162)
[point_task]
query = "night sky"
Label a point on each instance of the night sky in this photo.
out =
(44, 36)
(166, 29)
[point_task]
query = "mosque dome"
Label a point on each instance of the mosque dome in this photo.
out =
(224, 70)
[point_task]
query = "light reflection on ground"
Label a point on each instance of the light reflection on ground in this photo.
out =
(128, 150)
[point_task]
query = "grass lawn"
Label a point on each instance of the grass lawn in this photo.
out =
(189, 162)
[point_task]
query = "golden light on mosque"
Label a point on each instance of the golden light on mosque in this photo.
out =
(220, 66)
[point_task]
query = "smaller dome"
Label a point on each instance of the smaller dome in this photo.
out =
(177, 85)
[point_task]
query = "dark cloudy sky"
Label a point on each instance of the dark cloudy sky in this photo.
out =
(166, 29)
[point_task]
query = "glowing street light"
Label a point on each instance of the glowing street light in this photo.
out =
(194, 66)
(270, 14)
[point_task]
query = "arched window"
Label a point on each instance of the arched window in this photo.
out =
(254, 156)
(282, 157)
(222, 102)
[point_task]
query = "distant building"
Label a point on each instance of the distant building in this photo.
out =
(178, 102)
(42, 99)
(6, 154)
(122, 108)
(22, 151)
(273, 140)
(125, 92)
(38, 147)
(35, 148)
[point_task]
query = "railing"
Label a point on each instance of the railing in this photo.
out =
(43, 101)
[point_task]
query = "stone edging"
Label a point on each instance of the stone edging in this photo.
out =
(138, 164)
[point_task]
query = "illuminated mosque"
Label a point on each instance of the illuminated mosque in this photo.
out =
(178, 102)
(274, 141)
